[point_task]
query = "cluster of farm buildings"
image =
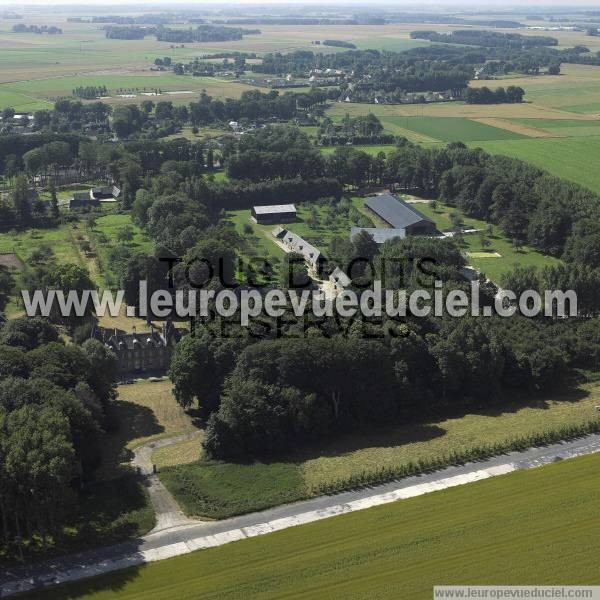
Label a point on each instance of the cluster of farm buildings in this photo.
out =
(92, 198)
(400, 217)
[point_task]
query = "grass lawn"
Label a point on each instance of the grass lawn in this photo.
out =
(144, 411)
(216, 489)
(24, 243)
(484, 259)
(487, 532)
(181, 453)
(219, 490)
(257, 241)
(21, 102)
(575, 159)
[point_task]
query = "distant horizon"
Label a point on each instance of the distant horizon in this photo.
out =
(331, 4)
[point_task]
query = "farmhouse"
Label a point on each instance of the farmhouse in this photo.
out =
(93, 198)
(400, 215)
(107, 193)
(140, 352)
(80, 200)
(270, 215)
(294, 243)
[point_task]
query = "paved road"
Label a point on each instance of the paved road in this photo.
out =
(167, 511)
(187, 538)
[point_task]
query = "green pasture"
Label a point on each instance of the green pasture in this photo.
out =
(551, 123)
(24, 243)
(529, 527)
(111, 224)
(575, 159)
(21, 102)
(66, 243)
(103, 238)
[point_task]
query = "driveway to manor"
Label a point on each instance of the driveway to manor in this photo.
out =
(188, 537)
(167, 511)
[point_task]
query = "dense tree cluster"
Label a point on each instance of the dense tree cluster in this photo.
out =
(278, 394)
(152, 120)
(338, 44)
(39, 29)
(22, 209)
(275, 152)
(483, 95)
(486, 38)
(128, 33)
(253, 105)
(53, 401)
(202, 33)
(90, 92)
(357, 130)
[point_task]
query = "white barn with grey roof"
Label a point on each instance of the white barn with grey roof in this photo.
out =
(278, 213)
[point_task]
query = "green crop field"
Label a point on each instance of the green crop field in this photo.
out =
(21, 102)
(451, 129)
(529, 527)
(219, 490)
(575, 159)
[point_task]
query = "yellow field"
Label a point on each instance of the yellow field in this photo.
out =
(348, 455)
(515, 127)
(179, 454)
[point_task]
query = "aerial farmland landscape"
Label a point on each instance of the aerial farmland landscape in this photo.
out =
(299, 300)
